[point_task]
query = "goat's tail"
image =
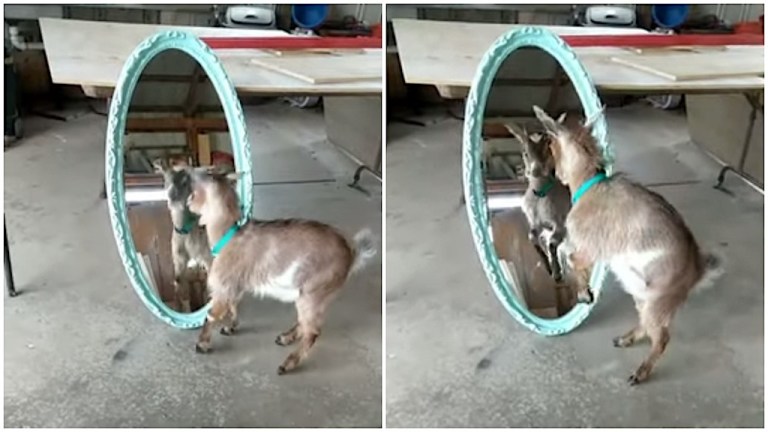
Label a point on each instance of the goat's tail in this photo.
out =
(713, 264)
(364, 247)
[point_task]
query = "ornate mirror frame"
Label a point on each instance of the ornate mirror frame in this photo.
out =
(118, 112)
(474, 183)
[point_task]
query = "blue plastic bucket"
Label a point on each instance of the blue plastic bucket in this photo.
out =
(669, 15)
(309, 16)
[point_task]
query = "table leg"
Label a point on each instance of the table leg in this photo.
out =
(754, 101)
(9, 284)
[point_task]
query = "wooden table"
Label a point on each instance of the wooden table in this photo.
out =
(446, 55)
(91, 54)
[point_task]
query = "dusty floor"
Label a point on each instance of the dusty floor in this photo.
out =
(82, 351)
(455, 358)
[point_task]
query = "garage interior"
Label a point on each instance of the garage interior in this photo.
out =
(455, 357)
(81, 350)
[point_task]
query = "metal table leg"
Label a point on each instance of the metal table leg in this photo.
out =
(8, 270)
(754, 101)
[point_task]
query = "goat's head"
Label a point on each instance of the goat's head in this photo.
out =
(177, 182)
(213, 194)
(573, 147)
(536, 153)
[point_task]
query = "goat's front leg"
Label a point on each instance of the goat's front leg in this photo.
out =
(216, 314)
(582, 267)
(554, 243)
(181, 282)
(534, 235)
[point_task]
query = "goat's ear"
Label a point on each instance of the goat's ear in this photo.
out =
(160, 165)
(233, 177)
(518, 132)
(552, 127)
(590, 122)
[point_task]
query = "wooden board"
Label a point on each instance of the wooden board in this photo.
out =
(676, 49)
(316, 51)
(204, 149)
(446, 54)
(697, 66)
(325, 69)
(103, 47)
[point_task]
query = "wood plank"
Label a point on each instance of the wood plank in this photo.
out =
(696, 66)
(447, 54)
(324, 70)
(204, 149)
(103, 47)
(175, 124)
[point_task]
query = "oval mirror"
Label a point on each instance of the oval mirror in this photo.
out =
(173, 109)
(504, 154)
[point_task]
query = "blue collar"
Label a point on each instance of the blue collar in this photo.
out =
(587, 185)
(190, 219)
(225, 239)
(541, 193)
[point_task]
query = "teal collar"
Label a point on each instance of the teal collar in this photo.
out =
(587, 185)
(541, 193)
(190, 220)
(225, 239)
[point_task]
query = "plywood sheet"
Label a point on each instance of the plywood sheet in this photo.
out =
(697, 66)
(327, 69)
(447, 54)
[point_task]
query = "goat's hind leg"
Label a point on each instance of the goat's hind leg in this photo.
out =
(288, 337)
(311, 313)
(231, 321)
(655, 318)
(636, 334)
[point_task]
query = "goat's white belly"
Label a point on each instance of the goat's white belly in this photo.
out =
(281, 287)
(630, 268)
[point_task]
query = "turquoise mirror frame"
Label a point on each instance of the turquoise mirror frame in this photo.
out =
(474, 183)
(118, 112)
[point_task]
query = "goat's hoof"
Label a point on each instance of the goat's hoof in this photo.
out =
(279, 341)
(585, 296)
(202, 349)
(621, 342)
(281, 370)
(641, 375)
(227, 331)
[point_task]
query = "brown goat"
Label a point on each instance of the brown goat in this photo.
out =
(294, 261)
(641, 237)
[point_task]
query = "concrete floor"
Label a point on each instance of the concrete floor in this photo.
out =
(455, 358)
(82, 351)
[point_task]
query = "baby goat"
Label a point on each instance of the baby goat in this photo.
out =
(547, 201)
(635, 231)
(294, 261)
(188, 240)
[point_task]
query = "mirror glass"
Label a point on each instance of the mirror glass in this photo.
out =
(527, 205)
(175, 120)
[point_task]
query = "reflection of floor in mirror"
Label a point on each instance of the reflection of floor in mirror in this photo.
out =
(456, 358)
(533, 283)
(82, 350)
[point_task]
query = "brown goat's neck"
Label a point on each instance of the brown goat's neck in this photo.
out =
(580, 179)
(216, 228)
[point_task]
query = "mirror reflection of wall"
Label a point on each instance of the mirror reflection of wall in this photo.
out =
(527, 204)
(175, 118)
